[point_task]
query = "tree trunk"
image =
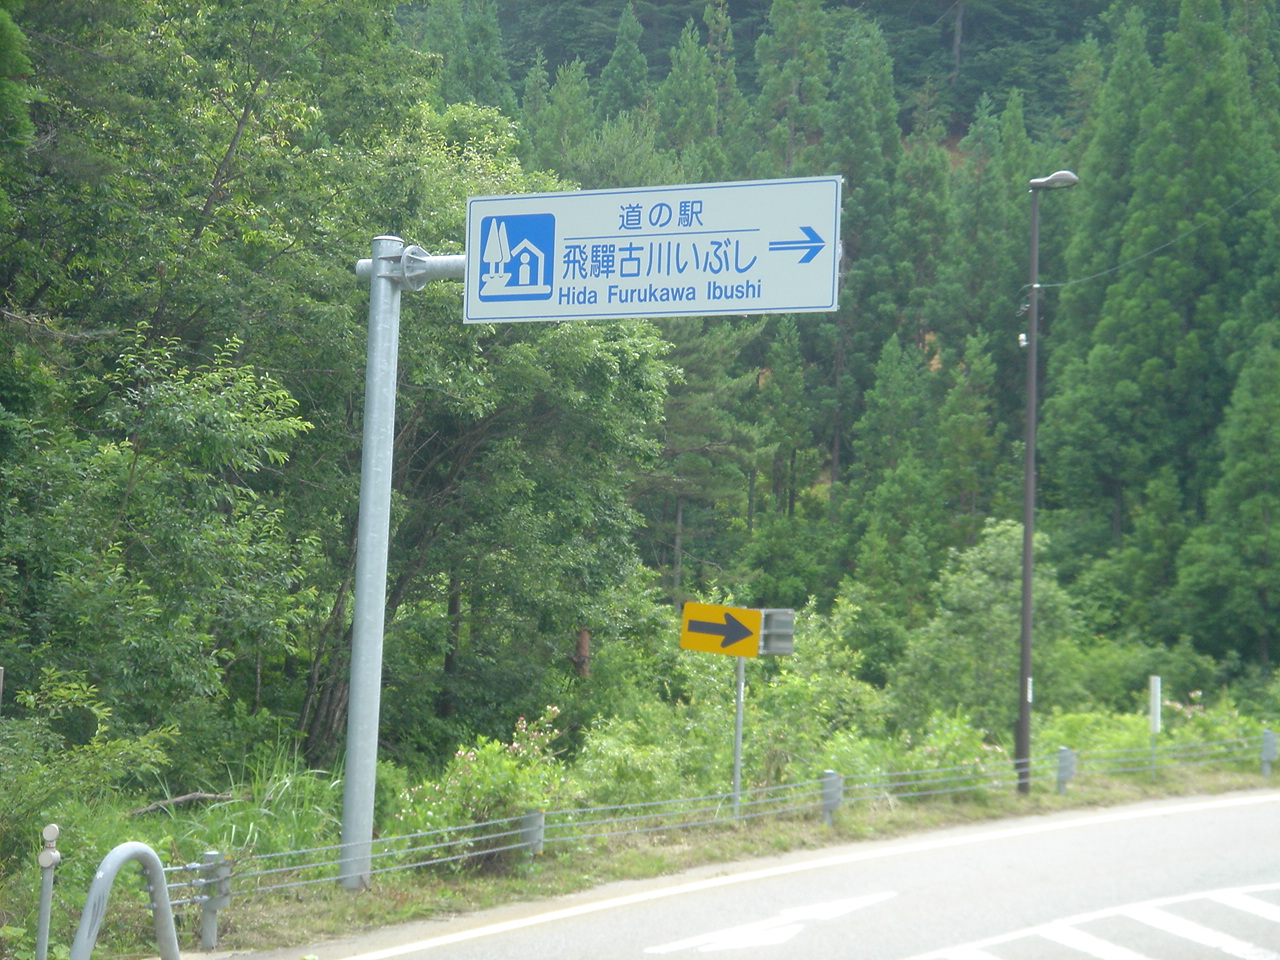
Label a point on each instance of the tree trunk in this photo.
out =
(325, 729)
(324, 708)
(446, 703)
(676, 563)
(582, 654)
(956, 35)
(791, 485)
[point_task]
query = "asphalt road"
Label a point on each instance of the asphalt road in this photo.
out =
(1167, 880)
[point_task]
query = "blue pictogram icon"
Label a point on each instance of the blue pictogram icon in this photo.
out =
(517, 257)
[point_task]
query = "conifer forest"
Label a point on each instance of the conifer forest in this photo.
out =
(185, 189)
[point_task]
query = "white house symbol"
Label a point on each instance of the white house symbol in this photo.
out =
(513, 272)
(528, 262)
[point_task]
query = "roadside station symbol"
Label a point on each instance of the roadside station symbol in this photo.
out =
(715, 629)
(516, 257)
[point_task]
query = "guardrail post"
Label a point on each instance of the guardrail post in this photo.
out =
(48, 859)
(832, 794)
(95, 906)
(217, 896)
(533, 828)
(1066, 768)
(1270, 750)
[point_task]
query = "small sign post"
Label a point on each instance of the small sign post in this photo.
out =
(1155, 704)
(743, 633)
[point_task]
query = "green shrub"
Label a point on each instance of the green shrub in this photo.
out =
(1098, 730)
(806, 699)
(1185, 723)
(954, 754)
(619, 763)
(89, 831)
(1193, 721)
(487, 782)
(949, 740)
(1114, 672)
(856, 757)
(222, 741)
(39, 767)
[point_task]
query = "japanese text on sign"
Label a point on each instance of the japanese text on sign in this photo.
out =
(756, 247)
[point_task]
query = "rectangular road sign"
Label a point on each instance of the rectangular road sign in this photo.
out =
(760, 246)
(714, 629)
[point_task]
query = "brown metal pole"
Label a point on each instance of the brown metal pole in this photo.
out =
(1022, 735)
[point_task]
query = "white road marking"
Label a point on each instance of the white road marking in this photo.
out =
(1088, 944)
(776, 930)
(880, 852)
(747, 940)
(1197, 933)
(1151, 913)
(1247, 904)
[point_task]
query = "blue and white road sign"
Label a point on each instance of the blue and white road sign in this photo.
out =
(760, 246)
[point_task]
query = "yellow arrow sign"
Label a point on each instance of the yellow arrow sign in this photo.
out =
(713, 629)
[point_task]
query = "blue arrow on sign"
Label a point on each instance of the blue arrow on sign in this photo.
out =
(812, 244)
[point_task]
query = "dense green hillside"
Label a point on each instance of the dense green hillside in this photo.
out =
(185, 188)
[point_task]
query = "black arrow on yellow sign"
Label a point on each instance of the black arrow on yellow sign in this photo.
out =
(730, 632)
(715, 629)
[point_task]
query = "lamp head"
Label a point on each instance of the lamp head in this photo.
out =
(1055, 181)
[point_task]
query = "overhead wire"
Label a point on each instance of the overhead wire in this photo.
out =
(1154, 250)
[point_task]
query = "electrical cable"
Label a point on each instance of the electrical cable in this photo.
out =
(1154, 250)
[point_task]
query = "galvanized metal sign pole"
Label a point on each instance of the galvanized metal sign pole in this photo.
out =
(739, 706)
(392, 268)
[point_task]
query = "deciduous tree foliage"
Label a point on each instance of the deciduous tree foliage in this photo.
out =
(965, 660)
(220, 144)
(135, 550)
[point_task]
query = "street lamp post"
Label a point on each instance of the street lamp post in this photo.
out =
(1022, 736)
